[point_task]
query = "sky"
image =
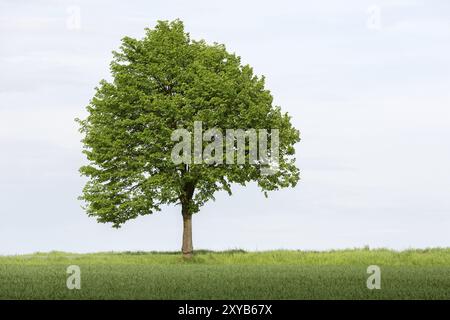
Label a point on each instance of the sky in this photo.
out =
(367, 83)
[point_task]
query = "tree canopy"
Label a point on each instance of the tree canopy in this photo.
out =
(160, 83)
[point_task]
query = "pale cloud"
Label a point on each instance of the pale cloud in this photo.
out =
(372, 108)
(55, 126)
(434, 28)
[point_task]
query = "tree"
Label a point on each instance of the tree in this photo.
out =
(161, 83)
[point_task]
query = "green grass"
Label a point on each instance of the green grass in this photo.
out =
(411, 274)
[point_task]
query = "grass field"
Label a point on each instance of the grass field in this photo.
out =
(412, 274)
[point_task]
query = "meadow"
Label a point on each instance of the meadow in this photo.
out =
(341, 274)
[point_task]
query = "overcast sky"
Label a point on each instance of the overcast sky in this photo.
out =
(366, 82)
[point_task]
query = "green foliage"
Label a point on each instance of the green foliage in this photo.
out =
(160, 83)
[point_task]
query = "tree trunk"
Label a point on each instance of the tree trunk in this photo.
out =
(187, 248)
